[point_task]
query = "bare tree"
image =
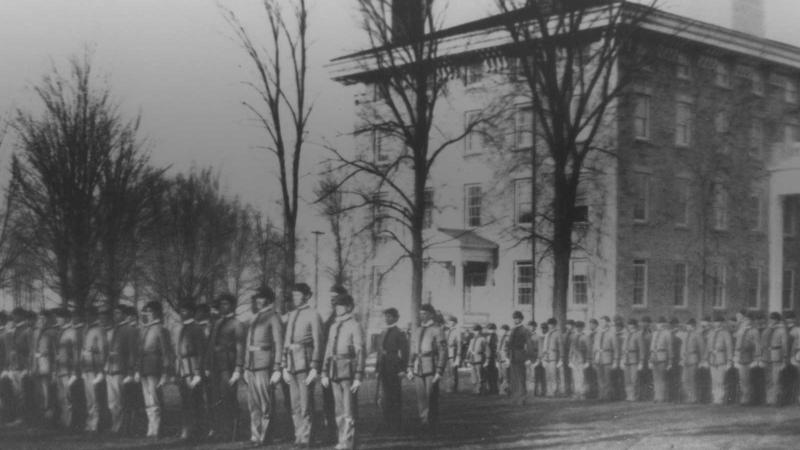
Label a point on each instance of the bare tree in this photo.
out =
(576, 58)
(60, 172)
(404, 67)
(330, 199)
(282, 108)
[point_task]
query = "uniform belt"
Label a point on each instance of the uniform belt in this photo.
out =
(776, 348)
(338, 357)
(261, 348)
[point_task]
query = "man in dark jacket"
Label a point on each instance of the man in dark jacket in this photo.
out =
(225, 362)
(120, 367)
(518, 353)
(190, 351)
(155, 364)
(390, 367)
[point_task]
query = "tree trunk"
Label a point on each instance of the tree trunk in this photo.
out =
(417, 274)
(289, 262)
(562, 248)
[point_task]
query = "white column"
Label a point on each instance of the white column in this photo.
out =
(775, 249)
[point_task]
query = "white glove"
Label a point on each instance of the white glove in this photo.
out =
(99, 378)
(436, 378)
(128, 379)
(137, 377)
(236, 377)
(325, 381)
(4, 374)
(286, 375)
(276, 377)
(312, 375)
(355, 386)
(72, 380)
(410, 375)
(162, 381)
(195, 381)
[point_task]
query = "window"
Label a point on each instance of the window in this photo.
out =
(790, 90)
(639, 282)
(641, 116)
(475, 140)
(524, 127)
(683, 123)
(722, 75)
(720, 207)
(759, 83)
(474, 73)
(473, 198)
(379, 218)
(376, 281)
(756, 213)
(475, 273)
(427, 220)
(683, 68)
(680, 285)
(580, 283)
(789, 218)
(580, 212)
(641, 193)
(717, 285)
(787, 293)
(523, 282)
(523, 206)
(753, 280)
(757, 138)
(384, 146)
(722, 126)
(682, 191)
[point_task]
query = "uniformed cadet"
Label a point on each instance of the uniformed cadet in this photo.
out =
(719, 355)
(503, 364)
(579, 360)
(773, 357)
(344, 365)
(566, 346)
(225, 361)
(68, 351)
(453, 336)
(551, 358)
(426, 364)
(120, 367)
(390, 367)
(533, 357)
(492, 377)
(517, 354)
(539, 374)
(302, 360)
(618, 373)
(190, 352)
(156, 359)
(794, 357)
(19, 360)
(45, 348)
(591, 371)
(132, 396)
(674, 372)
(758, 373)
(693, 350)
(703, 371)
(263, 363)
(633, 356)
(660, 359)
(476, 355)
(93, 356)
(5, 397)
(746, 350)
(330, 430)
(202, 315)
(606, 357)
(646, 374)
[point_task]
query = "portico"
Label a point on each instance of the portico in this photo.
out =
(784, 182)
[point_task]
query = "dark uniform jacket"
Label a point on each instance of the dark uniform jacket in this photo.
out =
(606, 351)
(551, 346)
(19, 354)
(748, 345)
(45, 350)
(345, 355)
(428, 352)
(693, 349)
(94, 350)
(580, 352)
(392, 352)
(226, 345)
(191, 349)
(264, 341)
(303, 343)
(123, 346)
(775, 345)
(453, 344)
(662, 347)
(633, 352)
(517, 344)
(156, 351)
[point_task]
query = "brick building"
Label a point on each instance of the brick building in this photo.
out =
(696, 212)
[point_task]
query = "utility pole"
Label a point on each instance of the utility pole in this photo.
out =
(316, 266)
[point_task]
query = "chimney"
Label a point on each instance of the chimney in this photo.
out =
(748, 17)
(408, 19)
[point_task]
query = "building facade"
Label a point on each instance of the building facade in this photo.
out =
(695, 213)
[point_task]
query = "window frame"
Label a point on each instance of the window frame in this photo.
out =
(468, 205)
(428, 206)
(645, 177)
(720, 207)
(685, 289)
(684, 125)
(719, 281)
(473, 141)
(519, 284)
(683, 61)
(573, 286)
(643, 264)
(759, 280)
(644, 133)
(792, 286)
(683, 189)
(519, 129)
(518, 192)
(722, 75)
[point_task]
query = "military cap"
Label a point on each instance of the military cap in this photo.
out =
(532, 323)
(646, 319)
(706, 318)
(633, 321)
(154, 307)
(579, 324)
(266, 293)
(344, 300)
(517, 315)
(775, 315)
(338, 289)
(18, 312)
(428, 308)
(593, 320)
(227, 297)
(491, 326)
(691, 321)
(606, 319)
(477, 327)
(552, 321)
(390, 312)
(674, 321)
(570, 322)
(188, 305)
(662, 319)
(505, 327)
(202, 308)
(302, 288)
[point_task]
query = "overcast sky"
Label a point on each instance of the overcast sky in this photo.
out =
(175, 61)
